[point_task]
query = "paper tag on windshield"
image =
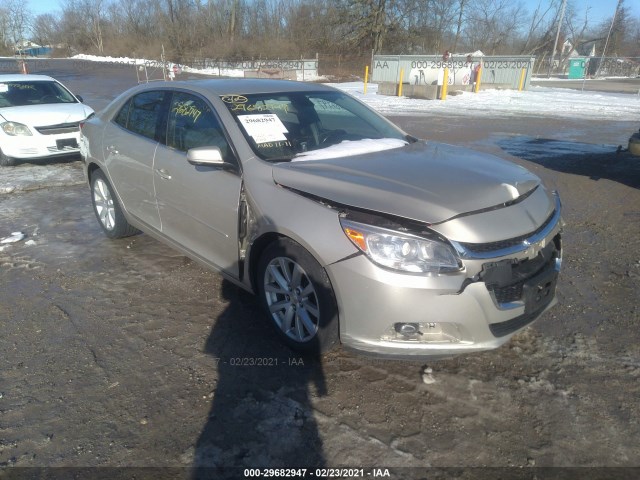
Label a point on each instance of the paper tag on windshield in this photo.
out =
(264, 128)
(4, 87)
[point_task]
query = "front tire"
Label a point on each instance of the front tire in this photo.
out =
(107, 208)
(297, 296)
(6, 161)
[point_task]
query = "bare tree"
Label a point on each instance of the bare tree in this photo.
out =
(82, 24)
(18, 20)
(619, 30)
(94, 10)
(369, 23)
(44, 29)
(493, 24)
(575, 29)
(254, 28)
(4, 30)
(634, 38)
(541, 26)
(461, 11)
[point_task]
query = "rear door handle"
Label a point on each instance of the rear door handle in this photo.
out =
(163, 173)
(112, 149)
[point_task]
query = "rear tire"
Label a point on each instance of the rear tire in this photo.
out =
(107, 208)
(296, 294)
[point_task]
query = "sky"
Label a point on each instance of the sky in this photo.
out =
(600, 9)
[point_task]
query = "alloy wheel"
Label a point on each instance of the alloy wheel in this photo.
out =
(292, 299)
(103, 202)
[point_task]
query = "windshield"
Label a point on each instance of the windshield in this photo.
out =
(20, 93)
(296, 125)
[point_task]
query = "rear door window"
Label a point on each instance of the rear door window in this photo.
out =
(146, 115)
(123, 115)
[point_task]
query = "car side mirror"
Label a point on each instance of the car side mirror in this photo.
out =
(206, 156)
(80, 99)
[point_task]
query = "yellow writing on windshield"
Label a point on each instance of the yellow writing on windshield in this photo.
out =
(234, 99)
(186, 109)
(243, 107)
(22, 86)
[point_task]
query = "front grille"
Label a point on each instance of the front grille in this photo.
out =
(58, 129)
(501, 244)
(509, 294)
(506, 279)
(63, 149)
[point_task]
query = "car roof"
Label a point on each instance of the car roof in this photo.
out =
(244, 86)
(21, 78)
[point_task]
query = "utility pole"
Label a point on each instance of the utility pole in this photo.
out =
(606, 43)
(555, 44)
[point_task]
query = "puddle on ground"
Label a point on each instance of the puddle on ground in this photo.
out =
(596, 161)
(533, 149)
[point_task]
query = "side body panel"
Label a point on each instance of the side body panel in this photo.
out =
(198, 207)
(128, 159)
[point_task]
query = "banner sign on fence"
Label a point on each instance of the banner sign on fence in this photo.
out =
(429, 69)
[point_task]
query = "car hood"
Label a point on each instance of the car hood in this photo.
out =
(45, 115)
(429, 182)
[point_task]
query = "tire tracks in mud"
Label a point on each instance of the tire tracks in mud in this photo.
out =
(116, 352)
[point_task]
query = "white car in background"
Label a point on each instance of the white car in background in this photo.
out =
(39, 118)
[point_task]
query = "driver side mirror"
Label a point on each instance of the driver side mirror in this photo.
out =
(205, 156)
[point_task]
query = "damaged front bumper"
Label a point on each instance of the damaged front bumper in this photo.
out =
(500, 291)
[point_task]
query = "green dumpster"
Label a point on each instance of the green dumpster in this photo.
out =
(576, 68)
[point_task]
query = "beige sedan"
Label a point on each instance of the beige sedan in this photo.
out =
(348, 229)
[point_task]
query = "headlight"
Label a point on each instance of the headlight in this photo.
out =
(401, 251)
(14, 129)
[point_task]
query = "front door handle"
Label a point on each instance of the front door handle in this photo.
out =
(163, 173)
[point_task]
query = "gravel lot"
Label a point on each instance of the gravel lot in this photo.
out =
(124, 353)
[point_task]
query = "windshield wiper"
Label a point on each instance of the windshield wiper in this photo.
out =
(278, 159)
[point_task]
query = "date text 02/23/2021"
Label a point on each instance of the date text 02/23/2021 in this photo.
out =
(317, 472)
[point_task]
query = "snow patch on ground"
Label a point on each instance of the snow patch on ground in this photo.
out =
(13, 238)
(538, 101)
(27, 176)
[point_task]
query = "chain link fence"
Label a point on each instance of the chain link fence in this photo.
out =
(590, 67)
(343, 67)
(331, 66)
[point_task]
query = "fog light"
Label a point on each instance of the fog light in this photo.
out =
(428, 332)
(407, 329)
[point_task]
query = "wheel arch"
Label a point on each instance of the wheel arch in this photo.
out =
(91, 168)
(265, 239)
(328, 333)
(258, 246)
